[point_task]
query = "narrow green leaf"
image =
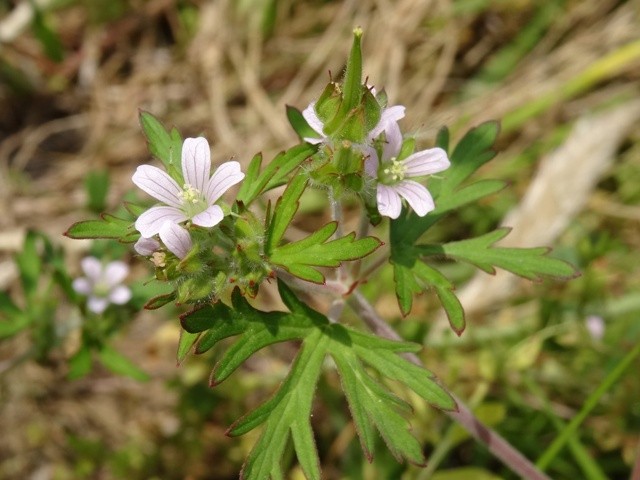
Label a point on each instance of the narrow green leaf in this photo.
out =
(305, 446)
(164, 145)
(7, 307)
(79, 363)
(29, 262)
(13, 325)
(299, 124)
(187, 341)
(286, 207)
(159, 301)
(108, 227)
(121, 365)
(274, 174)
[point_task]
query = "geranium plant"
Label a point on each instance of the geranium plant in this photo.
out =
(216, 251)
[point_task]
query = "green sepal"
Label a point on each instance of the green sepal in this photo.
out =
(328, 104)
(351, 90)
(109, 226)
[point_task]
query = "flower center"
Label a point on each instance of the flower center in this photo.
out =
(391, 172)
(101, 289)
(193, 202)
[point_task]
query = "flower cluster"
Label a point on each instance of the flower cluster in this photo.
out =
(385, 165)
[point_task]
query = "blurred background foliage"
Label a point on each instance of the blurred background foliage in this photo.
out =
(73, 74)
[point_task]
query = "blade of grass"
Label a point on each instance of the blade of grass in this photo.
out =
(587, 464)
(552, 451)
(606, 67)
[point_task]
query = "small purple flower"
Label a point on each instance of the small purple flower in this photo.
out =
(196, 199)
(392, 173)
(146, 246)
(102, 284)
(388, 116)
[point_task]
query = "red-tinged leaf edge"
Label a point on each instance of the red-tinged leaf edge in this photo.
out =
(159, 301)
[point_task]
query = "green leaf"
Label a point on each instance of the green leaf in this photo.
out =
(80, 363)
(48, 38)
(108, 226)
(187, 341)
(287, 413)
(412, 276)
(160, 301)
(274, 174)
(121, 365)
(165, 145)
(96, 184)
(299, 124)
(299, 257)
(286, 207)
(29, 262)
(530, 263)
(13, 325)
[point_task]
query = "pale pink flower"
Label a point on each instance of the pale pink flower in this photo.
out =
(102, 284)
(392, 174)
(175, 238)
(195, 200)
(595, 326)
(388, 115)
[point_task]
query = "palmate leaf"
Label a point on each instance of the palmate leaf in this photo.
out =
(530, 263)
(413, 276)
(274, 174)
(301, 258)
(287, 413)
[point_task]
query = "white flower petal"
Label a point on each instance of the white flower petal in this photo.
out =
(416, 195)
(371, 162)
(82, 285)
(120, 295)
(115, 272)
(149, 222)
(92, 268)
(158, 184)
(389, 203)
(97, 304)
(196, 162)
(393, 143)
(388, 115)
(210, 217)
(146, 246)
(176, 239)
(426, 162)
(313, 141)
(314, 122)
(225, 176)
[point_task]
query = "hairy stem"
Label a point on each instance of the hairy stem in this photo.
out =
(497, 445)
